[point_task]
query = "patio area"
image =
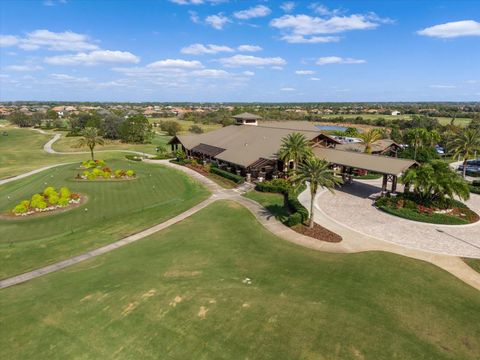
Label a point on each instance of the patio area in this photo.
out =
(352, 207)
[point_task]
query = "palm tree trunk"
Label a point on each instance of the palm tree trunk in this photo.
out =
(464, 168)
(91, 152)
(313, 193)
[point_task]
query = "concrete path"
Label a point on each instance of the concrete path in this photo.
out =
(352, 240)
(352, 206)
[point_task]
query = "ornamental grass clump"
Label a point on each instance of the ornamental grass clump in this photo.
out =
(48, 200)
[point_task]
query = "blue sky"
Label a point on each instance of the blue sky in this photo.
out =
(214, 50)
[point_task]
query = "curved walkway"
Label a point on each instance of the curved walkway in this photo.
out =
(352, 241)
(352, 206)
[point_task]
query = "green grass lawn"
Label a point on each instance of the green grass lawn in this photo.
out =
(22, 151)
(392, 118)
(273, 202)
(473, 263)
(180, 294)
(185, 124)
(113, 210)
(66, 144)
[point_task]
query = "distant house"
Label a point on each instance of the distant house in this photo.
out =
(247, 119)
(395, 113)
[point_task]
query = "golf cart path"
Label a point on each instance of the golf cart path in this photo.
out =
(352, 241)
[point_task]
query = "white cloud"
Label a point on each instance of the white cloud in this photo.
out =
(314, 79)
(61, 41)
(199, 49)
(323, 10)
(248, 73)
(210, 73)
(8, 40)
(306, 29)
(253, 12)
(442, 86)
(217, 21)
(175, 64)
(338, 60)
(288, 89)
(93, 58)
(287, 6)
(69, 78)
(452, 29)
(304, 72)
(249, 48)
(24, 68)
(194, 17)
(300, 39)
(248, 60)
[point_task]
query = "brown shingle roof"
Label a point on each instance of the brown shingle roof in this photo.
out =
(247, 116)
(377, 163)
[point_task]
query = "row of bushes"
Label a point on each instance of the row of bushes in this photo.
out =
(227, 175)
(450, 212)
(475, 187)
(106, 173)
(298, 213)
(133, 157)
(50, 199)
(89, 164)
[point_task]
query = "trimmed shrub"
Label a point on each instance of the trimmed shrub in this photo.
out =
(49, 191)
(277, 186)
(65, 192)
(20, 209)
(296, 207)
(133, 157)
(63, 201)
(294, 219)
(53, 199)
(227, 175)
(130, 173)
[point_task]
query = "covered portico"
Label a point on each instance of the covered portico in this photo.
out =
(390, 167)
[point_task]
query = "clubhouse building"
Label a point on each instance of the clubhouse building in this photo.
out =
(249, 148)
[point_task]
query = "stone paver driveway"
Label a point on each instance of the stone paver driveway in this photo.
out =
(353, 207)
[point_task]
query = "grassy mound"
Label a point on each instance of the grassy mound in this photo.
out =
(179, 296)
(114, 210)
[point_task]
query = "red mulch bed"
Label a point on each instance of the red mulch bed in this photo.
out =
(318, 232)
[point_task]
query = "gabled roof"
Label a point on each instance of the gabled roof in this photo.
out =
(247, 116)
(377, 163)
(245, 144)
(377, 146)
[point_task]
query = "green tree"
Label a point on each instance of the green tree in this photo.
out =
(296, 148)
(317, 173)
(20, 119)
(136, 129)
(465, 144)
(90, 139)
(419, 137)
(51, 114)
(434, 182)
(369, 138)
(171, 127)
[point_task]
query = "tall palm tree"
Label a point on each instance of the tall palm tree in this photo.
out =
(294, 148)
(466, 144)
(318, 173)
(90, 138)
(369, 138)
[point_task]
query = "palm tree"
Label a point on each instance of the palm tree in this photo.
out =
(434, 182)
(369, 138)
(294, 148)
(318, 173)
(90, 138)
(466, 144)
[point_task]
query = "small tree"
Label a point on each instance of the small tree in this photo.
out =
(466, 143)
(90, 139)
(317, 172)
(369, 138)
(171, 127)
(294, 148)
(434, 182)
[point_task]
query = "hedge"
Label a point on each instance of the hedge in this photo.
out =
(227, 175)
(299, 214)
(474, 189)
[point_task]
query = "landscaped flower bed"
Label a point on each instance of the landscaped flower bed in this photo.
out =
(452, 212)
(99, 171)
(49, 200)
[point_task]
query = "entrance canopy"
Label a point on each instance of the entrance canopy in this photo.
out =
(380, 164)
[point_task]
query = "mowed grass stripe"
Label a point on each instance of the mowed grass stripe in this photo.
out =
(113, 210)
(174, 295)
